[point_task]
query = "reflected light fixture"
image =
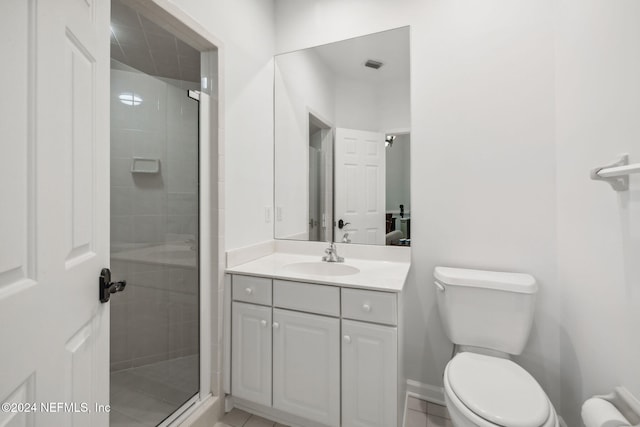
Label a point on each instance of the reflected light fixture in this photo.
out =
(130, 98)
(388, 141)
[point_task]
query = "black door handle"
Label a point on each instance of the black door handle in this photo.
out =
(106, 287)
(342, 224)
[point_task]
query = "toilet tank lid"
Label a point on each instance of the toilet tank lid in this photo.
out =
(497, 280)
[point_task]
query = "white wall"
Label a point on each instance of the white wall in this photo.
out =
(598, 110)
(485, 122)
(395, 106)
(483, 154)
(356, 105)
(398, 174)
(303, 84)
(372, 106)
(246, 29)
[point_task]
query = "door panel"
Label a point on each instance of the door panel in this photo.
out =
(306, 368)
(17, 160)
(360, 185)
(369, 377)
(251, 352)
(54, 175)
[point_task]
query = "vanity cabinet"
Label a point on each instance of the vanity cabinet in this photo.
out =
(322, 353)
(369, 386)
(306, 365)
(251, 344)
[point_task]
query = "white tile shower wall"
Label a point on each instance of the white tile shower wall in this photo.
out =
(157, 318)
(482, 115)
(153, 208)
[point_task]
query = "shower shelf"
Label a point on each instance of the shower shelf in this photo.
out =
(145, 165)
(617, 173)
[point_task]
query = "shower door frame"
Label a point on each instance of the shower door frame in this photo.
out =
(211, 205)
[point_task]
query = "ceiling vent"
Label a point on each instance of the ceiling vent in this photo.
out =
(373, 64)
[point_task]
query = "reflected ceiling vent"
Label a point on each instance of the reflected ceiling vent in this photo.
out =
(373, 64)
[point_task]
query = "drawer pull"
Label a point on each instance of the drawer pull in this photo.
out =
(263, 322)
(366, 308)
(276, 325)
(249, 291)
(347, 339)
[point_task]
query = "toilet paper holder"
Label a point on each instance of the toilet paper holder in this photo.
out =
(626, 403)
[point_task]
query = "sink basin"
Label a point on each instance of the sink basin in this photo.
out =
(321, 268)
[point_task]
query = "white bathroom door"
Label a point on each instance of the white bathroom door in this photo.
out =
(360, 194)
(54, 212)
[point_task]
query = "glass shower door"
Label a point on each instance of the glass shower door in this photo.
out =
(154, 246)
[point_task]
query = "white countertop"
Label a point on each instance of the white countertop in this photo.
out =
(376, 275)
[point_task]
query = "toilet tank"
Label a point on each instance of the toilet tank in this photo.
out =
(487, 309)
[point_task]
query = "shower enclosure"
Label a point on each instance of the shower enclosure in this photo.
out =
(154, 222)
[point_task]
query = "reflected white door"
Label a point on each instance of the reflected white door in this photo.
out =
(360, 186)
(54, 223)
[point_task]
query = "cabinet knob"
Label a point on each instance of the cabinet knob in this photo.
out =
(263, 322)
(347, 339)
(249, 291)
(276, 325)
(366, 307)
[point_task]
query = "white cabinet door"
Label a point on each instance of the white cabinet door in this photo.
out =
(369, 375)
(306, 368)
(251, 352)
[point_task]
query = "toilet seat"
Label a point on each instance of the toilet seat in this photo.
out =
(492, 391)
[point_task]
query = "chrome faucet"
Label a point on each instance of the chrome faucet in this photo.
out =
(332, 254)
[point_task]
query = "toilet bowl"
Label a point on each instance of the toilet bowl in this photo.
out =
(488, 391)
(488, 315)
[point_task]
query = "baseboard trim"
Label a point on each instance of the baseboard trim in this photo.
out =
(205, 414)
(426, 392)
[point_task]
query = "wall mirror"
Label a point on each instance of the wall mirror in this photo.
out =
(342, 141)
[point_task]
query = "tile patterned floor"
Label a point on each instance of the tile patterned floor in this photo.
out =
(146, 395)
(240, 418)
(419, 414)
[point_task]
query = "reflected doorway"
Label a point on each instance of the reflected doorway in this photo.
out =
(320, 180)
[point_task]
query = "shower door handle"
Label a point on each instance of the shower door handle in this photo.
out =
(106, 287)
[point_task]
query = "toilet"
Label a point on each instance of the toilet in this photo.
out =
(488, 316)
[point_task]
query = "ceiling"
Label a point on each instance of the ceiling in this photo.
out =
(145, 46)
(347, 57)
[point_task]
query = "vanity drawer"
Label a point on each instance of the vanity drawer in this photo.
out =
(307, 297)
(256, 290)
(370, 306)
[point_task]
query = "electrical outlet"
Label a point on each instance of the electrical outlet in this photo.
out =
(278, 214)
(267, 214)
